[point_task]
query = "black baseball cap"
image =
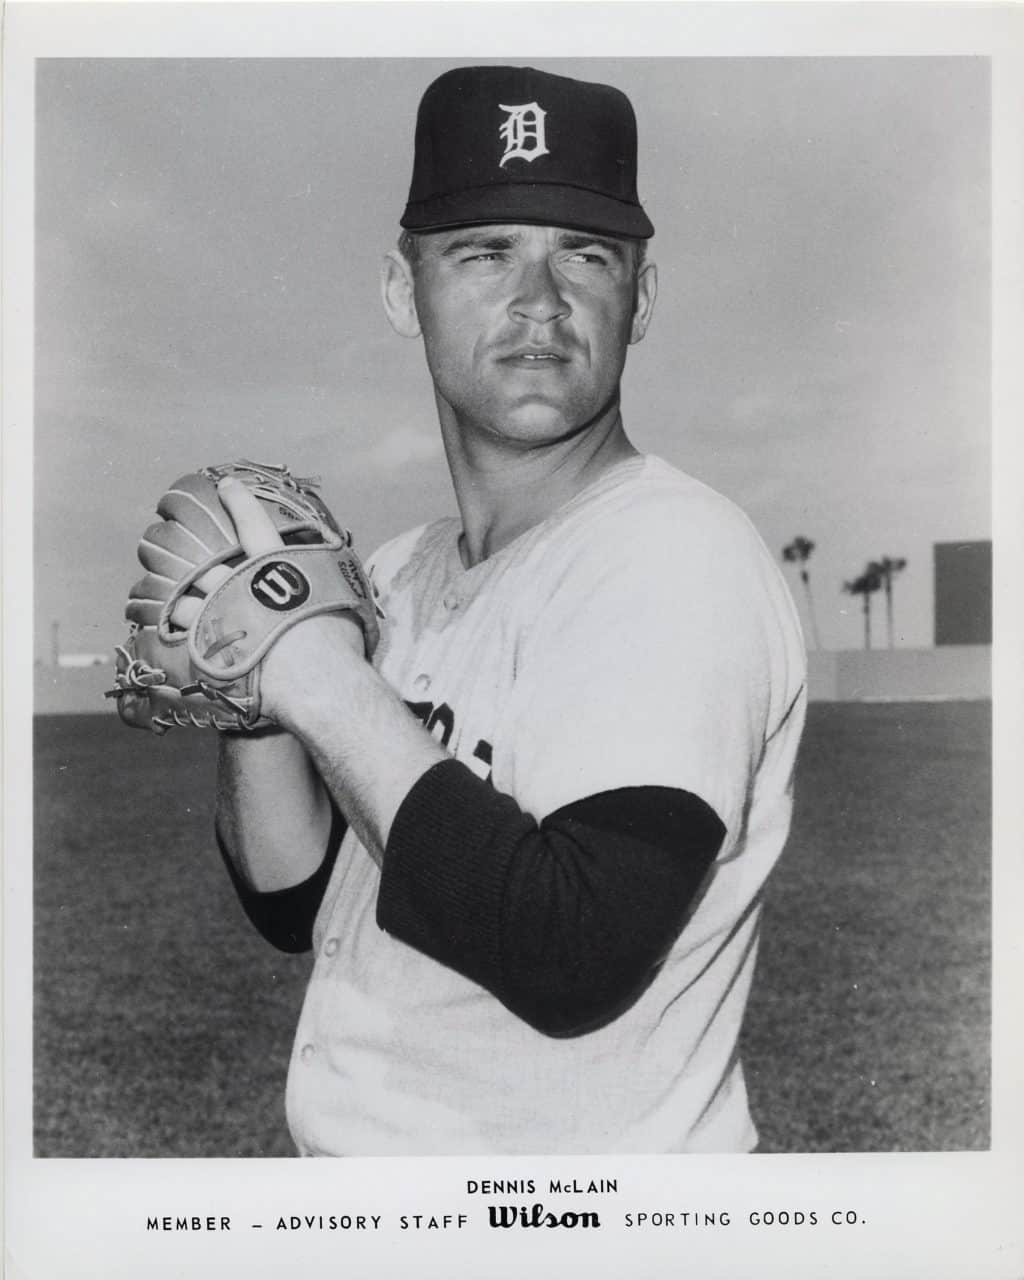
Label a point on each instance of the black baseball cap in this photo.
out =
(513, 144)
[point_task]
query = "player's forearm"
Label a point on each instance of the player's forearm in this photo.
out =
(364, 742)
(273, 813)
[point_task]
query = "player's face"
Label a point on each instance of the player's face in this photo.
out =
(526, 328)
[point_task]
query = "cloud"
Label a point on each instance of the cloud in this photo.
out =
(402, 446)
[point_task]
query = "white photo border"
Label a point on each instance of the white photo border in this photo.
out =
(913, 1214)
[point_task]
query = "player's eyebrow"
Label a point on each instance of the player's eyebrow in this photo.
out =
(489, 241)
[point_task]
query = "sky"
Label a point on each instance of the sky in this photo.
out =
(209, 234)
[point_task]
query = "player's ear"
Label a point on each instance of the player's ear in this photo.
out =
(643, 305)
(397, 291)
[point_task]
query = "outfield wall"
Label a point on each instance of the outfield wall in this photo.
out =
(61, 690)
(950, 671)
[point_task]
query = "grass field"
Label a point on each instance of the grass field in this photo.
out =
(163, 1023)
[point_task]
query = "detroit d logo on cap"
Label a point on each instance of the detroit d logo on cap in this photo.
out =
(523, 132)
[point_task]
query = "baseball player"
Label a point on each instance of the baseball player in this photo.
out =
(528, 841)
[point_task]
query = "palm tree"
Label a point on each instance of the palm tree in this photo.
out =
(866, 585)
(887, 568)
(799, 552)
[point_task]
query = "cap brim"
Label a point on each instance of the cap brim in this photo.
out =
(546, 204)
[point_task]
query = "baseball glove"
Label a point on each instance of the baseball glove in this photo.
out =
(207, 674)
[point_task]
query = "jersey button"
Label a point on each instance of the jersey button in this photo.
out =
(451, 601)
(331, 947)
(308, 1052)
(422, 682)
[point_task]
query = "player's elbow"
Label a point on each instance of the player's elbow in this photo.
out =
(285, 917)
(293, 941)
(587, 940)
(574, 1003)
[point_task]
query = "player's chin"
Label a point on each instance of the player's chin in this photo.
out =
(537, 418)
(535, 431)
(541, 421)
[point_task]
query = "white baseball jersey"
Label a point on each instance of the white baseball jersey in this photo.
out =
(640, 636)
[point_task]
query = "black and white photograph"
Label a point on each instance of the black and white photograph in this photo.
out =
(507, 703)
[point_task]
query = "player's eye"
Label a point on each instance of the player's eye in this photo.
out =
(483, 253)
(592, 258)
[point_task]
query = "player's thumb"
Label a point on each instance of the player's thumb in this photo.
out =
(254, 528)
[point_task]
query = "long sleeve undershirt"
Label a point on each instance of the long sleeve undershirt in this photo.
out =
(565, 922)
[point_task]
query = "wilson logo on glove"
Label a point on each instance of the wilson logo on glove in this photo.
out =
(280, 586)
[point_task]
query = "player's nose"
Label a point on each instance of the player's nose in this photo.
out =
(538, 296)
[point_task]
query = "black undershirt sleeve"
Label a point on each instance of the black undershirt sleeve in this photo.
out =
(285, 917)
(566, 923)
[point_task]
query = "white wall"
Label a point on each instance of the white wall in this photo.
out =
(949, 671)
(953, 671)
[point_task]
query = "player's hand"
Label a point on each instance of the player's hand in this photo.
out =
(256, 534)
(292, 664)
